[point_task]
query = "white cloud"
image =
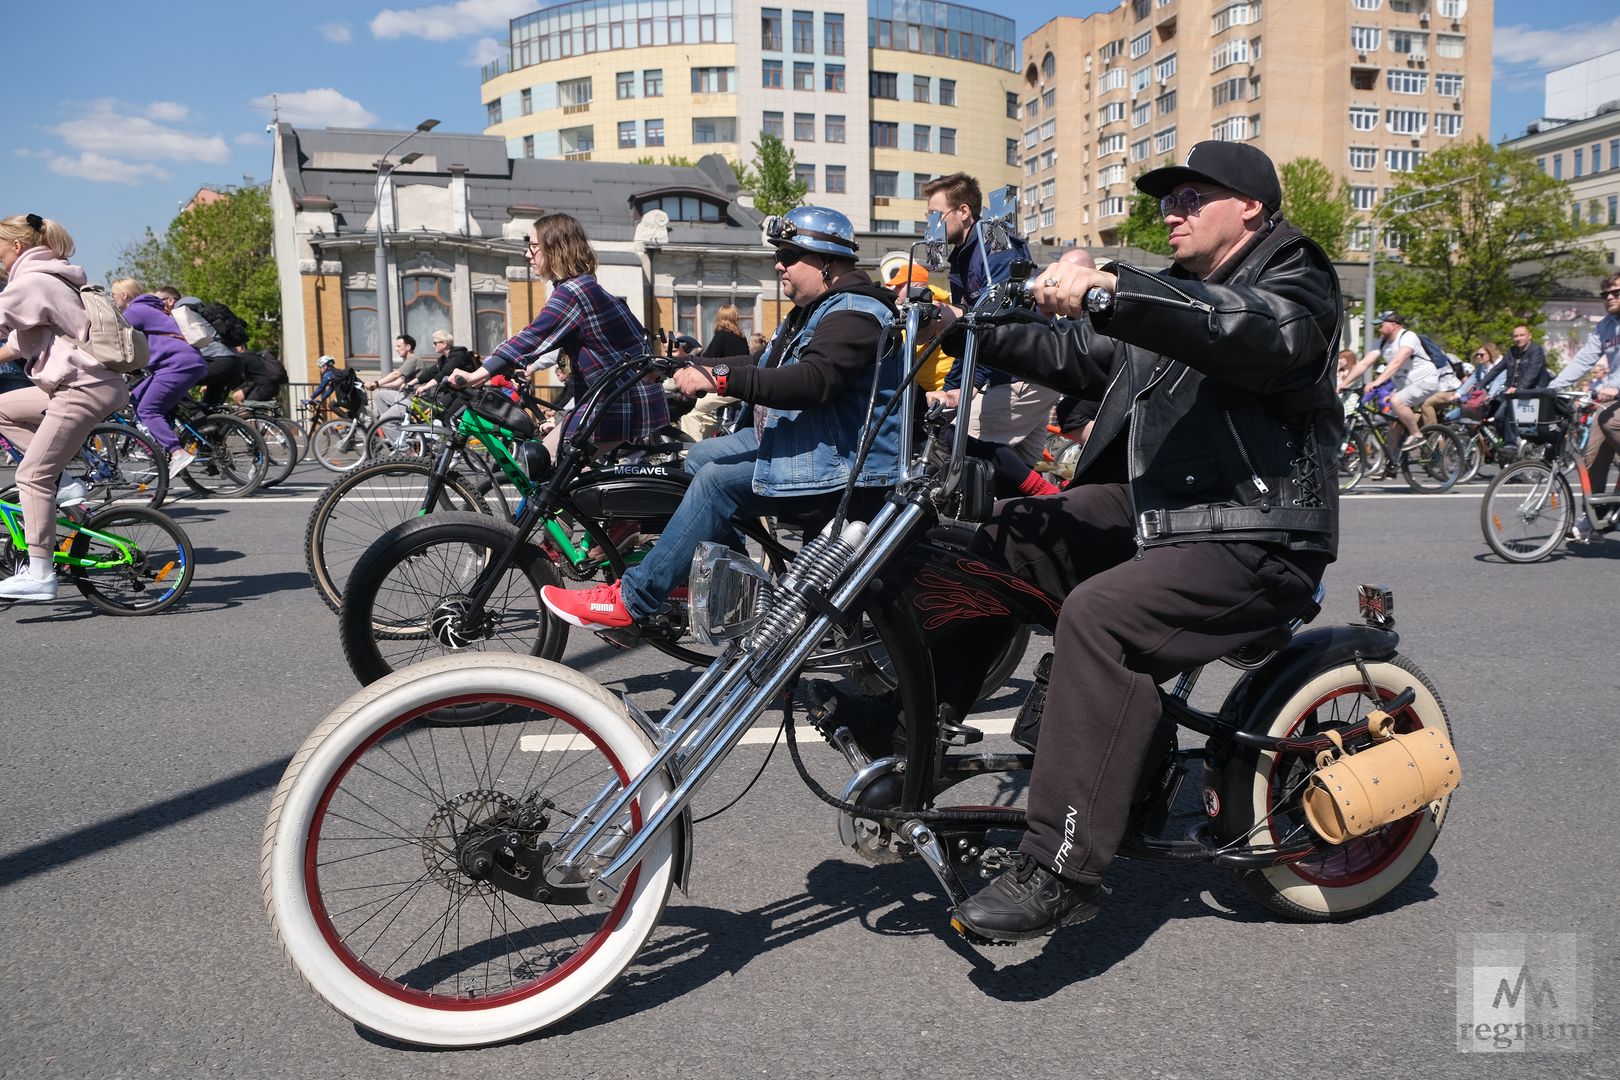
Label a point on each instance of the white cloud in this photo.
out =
(441, 22)
(483, 51)
(107, 128)
(1544, 49)
(102, 169)
(170, 111)
(337, 33)
(324, 107)
(251, 138)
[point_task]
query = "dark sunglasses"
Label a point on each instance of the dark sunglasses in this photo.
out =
(1609, 293)
(786, 257)
(1185, 202)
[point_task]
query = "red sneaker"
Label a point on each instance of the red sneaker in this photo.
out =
(598, 608)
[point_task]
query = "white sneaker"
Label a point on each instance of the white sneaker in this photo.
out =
(1413, 442)
(25, 586)
(71, 491)
(179, 461)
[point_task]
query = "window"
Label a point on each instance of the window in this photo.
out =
(1140, 9)
(1580, 159)
(653, 130)
(885, 225)
(1368, 5)
(1232, 52)
(886, 84)
(921, 89)
(528, 146)
(1235, 15)
(1409, 42)
(885, 184)
(918, 182)
(1032, 136)
(1406, 121)
(1451, 9)
(427, 304)
(1141, 114)
(1164, 141)
(1110, 113)
(1140, 44)
(1111, 50)
(1614, 153)
(714, 129)
(1558, 166)
(922, 138)
(1449, 46)
(833, 78)
(770, 29)
(625, 84)
(1597, 157)
(1402, 81)
(1403, 160)
(1012, 102)
(834, 129)
(489, 321)
(627, 135)
(652, 82)
(1238, 89)
(1614, 209)
(1232, 129)
(804, 32)
(1110, 144)
(1049, 157)
(1031, 164)
(804, 127)
(806, 175)
(1362, 117)
(947, 92)
(1049, 100)
(772, 125)
(1362, 198)
(835, 180)
(713, 80)
(1048, 66)
(1593, 209)
(572, 92)
(1365, 39)
(1112, 79)
(1049, 129)
(1111, 174)
(947, 140)
(526, 102)
(1048, 216)
(1363, 158)
(885, 133)
(1012, 151)
(1141, 77)
(832, 38)
(1363, 78)
(494, 108)
(771, 75)
(804, 75)
(1448, 84)
(1165, 68)
(1049, 189)
(1112, 206)
(1139, 149)
(361, 312)
(1167, 102)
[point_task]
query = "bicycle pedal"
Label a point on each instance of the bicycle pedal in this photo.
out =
(623, 638)
(959, 735)
(973, 937)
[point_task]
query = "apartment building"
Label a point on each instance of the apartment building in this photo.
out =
(1369, 87)
(874, 97)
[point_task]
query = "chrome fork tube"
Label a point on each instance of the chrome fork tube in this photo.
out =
(733, 704)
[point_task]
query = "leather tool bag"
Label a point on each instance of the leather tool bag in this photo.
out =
(1354, 793)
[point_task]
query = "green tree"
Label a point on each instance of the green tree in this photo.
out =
(220, 252)
(1145, 227)
(677, 160)
(1317, 202)
(1483, 251)
(770, 177)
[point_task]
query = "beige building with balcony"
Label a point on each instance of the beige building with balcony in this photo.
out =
(874, 97)
(1369, 87)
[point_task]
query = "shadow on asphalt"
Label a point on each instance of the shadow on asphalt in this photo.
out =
(216, 594)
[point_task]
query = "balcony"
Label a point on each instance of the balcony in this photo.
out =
(582, 107)
(577, 155)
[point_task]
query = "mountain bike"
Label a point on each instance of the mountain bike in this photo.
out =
(126, 560)
(1372, 447)
(279, 434)
(118, 463)
(1529, 508)
(455, 884)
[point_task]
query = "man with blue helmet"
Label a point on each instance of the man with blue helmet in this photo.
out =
(808, 391)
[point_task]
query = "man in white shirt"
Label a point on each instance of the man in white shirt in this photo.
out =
(1408, 366)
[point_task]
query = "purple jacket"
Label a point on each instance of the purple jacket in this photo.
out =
(168, 349)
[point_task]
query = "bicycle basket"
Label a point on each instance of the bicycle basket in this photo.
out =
(1540, 414)
(503, 412)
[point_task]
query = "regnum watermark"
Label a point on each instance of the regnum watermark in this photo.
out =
(1524, 993)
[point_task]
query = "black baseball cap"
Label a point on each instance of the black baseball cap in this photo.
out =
(1237, 166)
(1391, 316)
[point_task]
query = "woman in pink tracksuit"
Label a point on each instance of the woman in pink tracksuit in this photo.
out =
(40, 314)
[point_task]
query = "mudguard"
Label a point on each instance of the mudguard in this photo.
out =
(1259, 693)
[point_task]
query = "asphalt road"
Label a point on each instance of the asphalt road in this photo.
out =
(140, 755)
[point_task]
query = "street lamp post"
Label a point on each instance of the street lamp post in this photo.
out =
(385, 327)
(1399, 207)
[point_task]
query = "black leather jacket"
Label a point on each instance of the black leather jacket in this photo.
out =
(1222, 388)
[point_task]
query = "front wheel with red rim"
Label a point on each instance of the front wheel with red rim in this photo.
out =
(1260, 798)
(390, 835)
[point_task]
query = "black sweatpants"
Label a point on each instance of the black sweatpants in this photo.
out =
(1127, 624)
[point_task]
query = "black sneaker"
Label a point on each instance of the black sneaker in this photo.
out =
(874, 723)
(1026, 901)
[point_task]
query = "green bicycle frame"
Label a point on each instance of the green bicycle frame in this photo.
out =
(123, 552)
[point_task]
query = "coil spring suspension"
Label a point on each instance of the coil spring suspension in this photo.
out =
(817, 566)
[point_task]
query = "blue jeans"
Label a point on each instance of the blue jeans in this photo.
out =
(722, 488)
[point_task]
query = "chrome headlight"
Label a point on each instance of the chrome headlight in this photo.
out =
(729, 593)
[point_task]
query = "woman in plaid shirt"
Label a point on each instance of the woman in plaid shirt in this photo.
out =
(591, 324)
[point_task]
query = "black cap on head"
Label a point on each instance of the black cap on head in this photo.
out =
(1234, 165)
(1391, 316)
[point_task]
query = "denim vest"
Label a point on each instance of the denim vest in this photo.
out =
(808, 451)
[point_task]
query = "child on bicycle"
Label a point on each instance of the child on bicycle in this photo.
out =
(41, 314)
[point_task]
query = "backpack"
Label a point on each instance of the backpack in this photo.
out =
(195, 330)
(229, 329)
(351, 391)
(116, 345)
(1442, 361)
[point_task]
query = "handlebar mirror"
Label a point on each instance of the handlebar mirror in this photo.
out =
(935, 242)
(1000, 220)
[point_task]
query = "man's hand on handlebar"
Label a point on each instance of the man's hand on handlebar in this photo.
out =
(463, 380)
(943, 398)
(695, 379)
(1061, 288)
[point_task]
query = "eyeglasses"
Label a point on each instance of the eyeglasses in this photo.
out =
(1185, 202)
(531, 247)
(1610, 294)
(786, 257)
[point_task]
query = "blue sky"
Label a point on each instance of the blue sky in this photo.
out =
(109, 129)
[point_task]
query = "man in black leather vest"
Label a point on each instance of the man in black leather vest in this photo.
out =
(1203, 510)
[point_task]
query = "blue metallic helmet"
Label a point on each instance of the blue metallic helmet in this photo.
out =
(813, 228)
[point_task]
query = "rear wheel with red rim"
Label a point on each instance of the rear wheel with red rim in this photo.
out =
(391, 835)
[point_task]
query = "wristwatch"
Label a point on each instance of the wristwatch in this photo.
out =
(1099, 300)
(719, 373)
